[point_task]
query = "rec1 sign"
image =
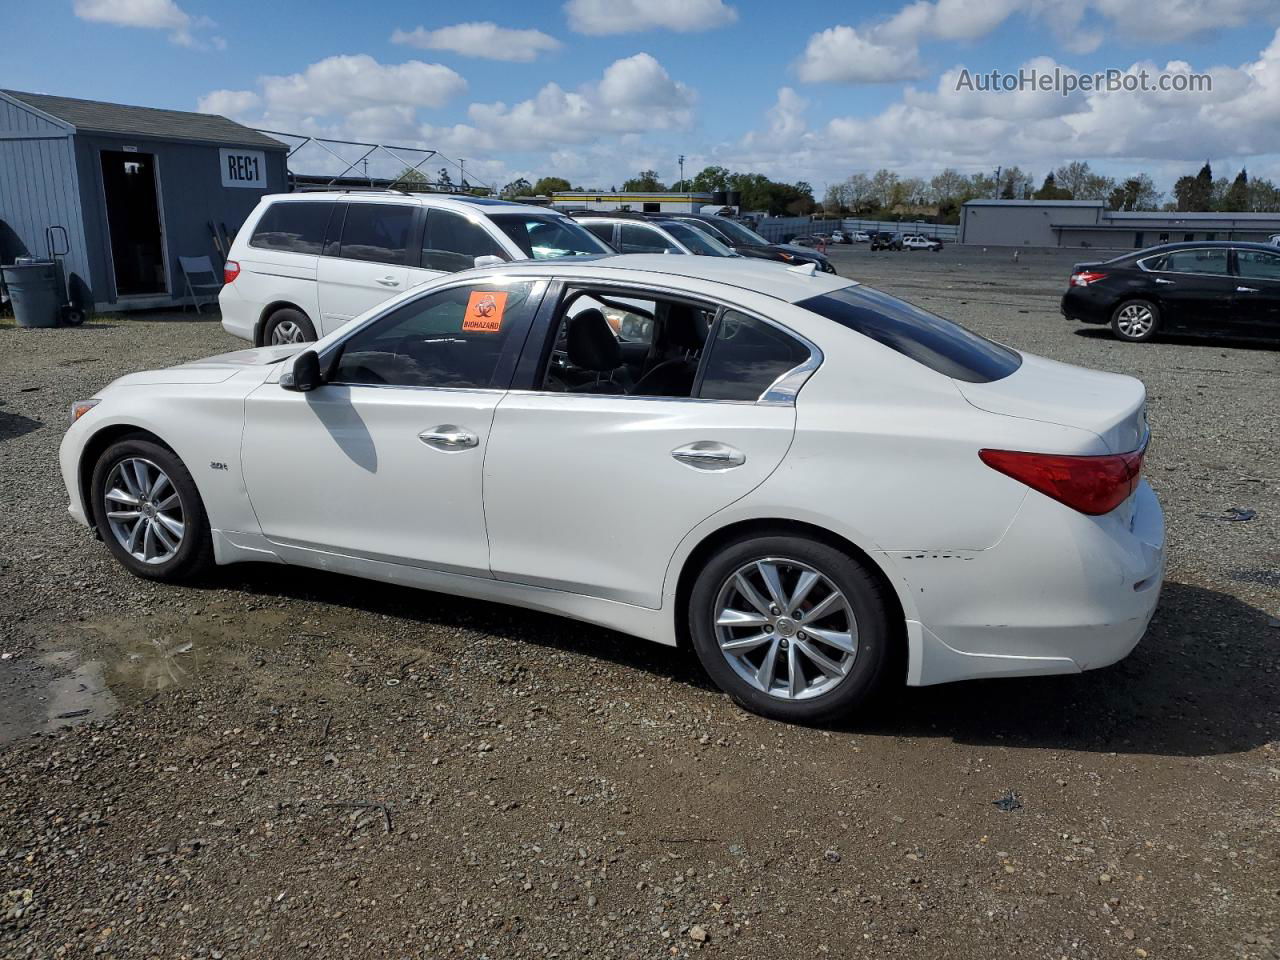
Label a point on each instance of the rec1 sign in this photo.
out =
(243, 168)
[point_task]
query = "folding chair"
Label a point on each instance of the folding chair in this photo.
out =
(196, 267)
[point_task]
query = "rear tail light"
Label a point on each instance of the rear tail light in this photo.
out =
(1092, 485)
(230, 270)
(1086, 277)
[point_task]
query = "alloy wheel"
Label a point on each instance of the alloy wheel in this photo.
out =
(144, 510)
(1135, 320)
(286, 331)
(786, 628)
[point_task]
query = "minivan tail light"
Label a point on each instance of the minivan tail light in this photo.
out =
(230, 270)
(1086, 277)
(1092, 485)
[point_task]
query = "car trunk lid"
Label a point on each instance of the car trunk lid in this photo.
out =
(1109, 405)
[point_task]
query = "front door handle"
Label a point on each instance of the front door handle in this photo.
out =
(388, 281)
(1164, 281)
(1246, 289)
(709, 455)
(447, 436)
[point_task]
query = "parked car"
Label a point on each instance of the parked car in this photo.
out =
(812, 240)
(304, 264)
(747, 243)
(491, 434)
(634, 234)
(861, 236)
(840, 236)
(915, 241)
(886, 241)
(1222, 287)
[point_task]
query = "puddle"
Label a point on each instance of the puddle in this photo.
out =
(153, 664)
(41, 694)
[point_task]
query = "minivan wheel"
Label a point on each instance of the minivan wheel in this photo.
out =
(149, 513)
(790, 628)
(285, 326)
(1135, 320)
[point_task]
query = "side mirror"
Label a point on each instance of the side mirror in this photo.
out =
(489, 260)
(305, 375)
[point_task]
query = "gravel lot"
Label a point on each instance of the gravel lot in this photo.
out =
(282, 763)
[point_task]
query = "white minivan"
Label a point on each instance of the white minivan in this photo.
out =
(304, 264)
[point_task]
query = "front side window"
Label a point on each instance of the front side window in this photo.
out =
(702, 244)
(379, 232)
(465, 336)
(452, 242)
(941, 345)
(745, 357)
(547, 237)
(1258, 265)
(635, 238)
(1210, 260)
(293, 227)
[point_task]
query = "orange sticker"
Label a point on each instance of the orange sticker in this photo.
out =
(484, 312)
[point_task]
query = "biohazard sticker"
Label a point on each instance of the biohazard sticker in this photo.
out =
(484, 312)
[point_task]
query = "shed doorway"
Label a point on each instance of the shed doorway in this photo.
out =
(133, 220)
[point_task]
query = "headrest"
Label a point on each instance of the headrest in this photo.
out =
(685, 327)
(591, 343)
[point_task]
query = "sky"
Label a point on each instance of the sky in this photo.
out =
(597, 90)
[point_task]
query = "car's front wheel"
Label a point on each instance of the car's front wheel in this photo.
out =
(1135, 320)
(149, 512)
(790, 628)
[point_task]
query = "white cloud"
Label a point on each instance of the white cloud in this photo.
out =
(482, 39)
(149, 14)
(601, 17)
(229, 103)
(352, 82)
(844, 55)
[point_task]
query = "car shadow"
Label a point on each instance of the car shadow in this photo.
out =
(1185, 339)
(1201, 683)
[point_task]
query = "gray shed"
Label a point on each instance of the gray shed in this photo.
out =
(135, 188)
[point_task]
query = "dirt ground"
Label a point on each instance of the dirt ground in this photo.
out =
(282, 763)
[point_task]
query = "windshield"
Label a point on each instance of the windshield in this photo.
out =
(941, 345)
(738, 233)
(544, 238)
(700, 243)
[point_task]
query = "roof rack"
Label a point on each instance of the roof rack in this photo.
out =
(324, 189)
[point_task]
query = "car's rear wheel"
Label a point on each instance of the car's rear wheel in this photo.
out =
(1135, 320)
(149, 512)
(287, 326)
(790, 628)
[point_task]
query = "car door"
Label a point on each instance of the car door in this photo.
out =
(452, 242)
(1195, 287)
(384, 460)
(591, 493)
(369, 262)
(1257, 294)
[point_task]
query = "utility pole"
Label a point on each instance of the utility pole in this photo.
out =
(683, 186)
(462, 173)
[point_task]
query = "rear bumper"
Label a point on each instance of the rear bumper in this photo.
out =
(1060, 593)
(1087, 305)
(239, 316)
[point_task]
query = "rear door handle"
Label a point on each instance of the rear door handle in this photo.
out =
(709, 455)
(447, 436)
(1246, 289)
(388, 281)
(1162, 280)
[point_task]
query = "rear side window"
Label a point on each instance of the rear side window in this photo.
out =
(452, 242)
(745, 357)
(293, 227)
(377, 231)
(601, 231)
(1212, 260)
(941, 345)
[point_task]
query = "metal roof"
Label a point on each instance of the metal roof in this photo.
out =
(1035, 203)
(92, 116)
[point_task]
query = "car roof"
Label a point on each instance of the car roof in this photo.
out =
(447, 201)
(1199, 245)
(779, 282)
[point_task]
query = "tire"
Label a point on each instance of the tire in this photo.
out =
(287, 325)
(156, 555)
(819, 693)
(1128, 324)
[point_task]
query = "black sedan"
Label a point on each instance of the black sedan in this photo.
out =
(1220, 287)
(747, 243)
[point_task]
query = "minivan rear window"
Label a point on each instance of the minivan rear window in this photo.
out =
(296, 226)
(941, 345)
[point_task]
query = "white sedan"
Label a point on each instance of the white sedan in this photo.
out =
(819, 487)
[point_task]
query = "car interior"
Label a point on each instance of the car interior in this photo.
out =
(609, 343)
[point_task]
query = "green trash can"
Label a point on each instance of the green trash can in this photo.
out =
(33, 293)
